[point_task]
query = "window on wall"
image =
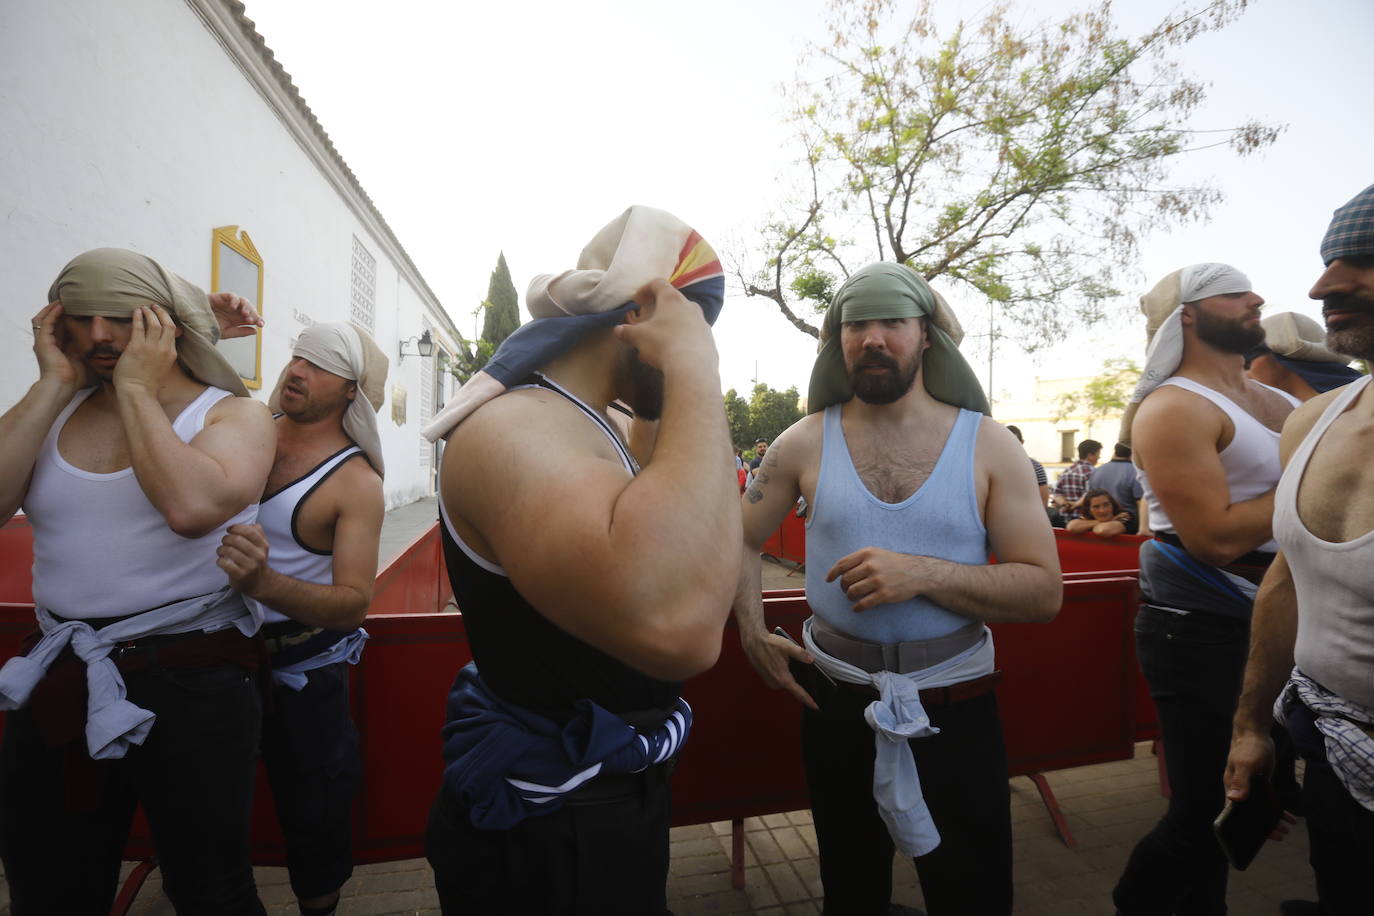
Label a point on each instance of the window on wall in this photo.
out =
(363, 295)
(1068, 451)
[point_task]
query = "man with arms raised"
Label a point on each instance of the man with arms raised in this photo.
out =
(311, 561)
(1316, 604)
(909, 486)
(589, 588)
(1205, 439)
(131, 457)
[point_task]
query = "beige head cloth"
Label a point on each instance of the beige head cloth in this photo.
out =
(349, 352)
(113, 282)
(1299, 337)
(1162, 306)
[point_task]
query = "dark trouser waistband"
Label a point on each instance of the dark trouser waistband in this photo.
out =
(901, 657)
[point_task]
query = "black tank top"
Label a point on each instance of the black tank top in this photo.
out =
(527, 660)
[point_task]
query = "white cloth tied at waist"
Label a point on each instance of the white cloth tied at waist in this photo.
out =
(896, 717)
(349, 649)
(112, 722)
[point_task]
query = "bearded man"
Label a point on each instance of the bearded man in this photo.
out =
(1206, 441)
(1313, 643)
(909, 485)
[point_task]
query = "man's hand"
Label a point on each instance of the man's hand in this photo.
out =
(872, 576)
(56, 365)
(668, 328)
(1252, 754)
(151, 351)
(243, 557)
(768, 654)
(235, 315)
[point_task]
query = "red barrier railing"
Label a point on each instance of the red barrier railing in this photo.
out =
(1068, 697)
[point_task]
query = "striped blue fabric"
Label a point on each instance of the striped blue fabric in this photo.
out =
(1351, 233)
(505, 763)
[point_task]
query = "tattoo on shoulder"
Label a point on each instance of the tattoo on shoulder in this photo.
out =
(770, 458)
(755, 491)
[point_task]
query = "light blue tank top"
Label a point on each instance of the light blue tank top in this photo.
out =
(941, 519)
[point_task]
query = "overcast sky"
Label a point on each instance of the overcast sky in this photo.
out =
(524, 127)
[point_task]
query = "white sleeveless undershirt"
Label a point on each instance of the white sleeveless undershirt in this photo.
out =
(1251, 460)
(1334, 581)
(100, 548)
(277, 514)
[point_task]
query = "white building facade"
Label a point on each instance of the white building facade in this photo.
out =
(167, 127)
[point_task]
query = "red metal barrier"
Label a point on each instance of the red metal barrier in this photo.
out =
(16, 561)
(1067, 697)
(1080, 553)
(416, 582)
(789, 541)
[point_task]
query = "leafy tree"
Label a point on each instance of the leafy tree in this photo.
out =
(1106, 394)
(1023, 163)
(500, 317)
(737, 414)
(771, 412)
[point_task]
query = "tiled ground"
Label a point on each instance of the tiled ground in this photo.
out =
(1108, 807)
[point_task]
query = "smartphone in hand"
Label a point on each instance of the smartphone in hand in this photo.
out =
(812, 678)
(1243, 826)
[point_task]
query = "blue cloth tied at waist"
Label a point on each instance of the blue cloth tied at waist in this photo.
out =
(113, 724)
(505, 763)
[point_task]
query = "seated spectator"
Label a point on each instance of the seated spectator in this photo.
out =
(1073, 482)
(1101, 514)
(1119, 478)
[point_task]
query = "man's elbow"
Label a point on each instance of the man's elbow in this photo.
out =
(685, 643)
(1044, 602)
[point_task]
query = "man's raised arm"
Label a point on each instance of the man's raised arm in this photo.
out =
(196, 486)
(642, 567)
(24, 426)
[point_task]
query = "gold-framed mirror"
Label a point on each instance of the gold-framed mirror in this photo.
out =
(236, 267)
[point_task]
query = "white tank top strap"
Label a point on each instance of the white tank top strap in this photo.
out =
(1286, 497)
(191, 420)
(462, 545)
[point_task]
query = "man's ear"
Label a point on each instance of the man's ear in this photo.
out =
(637, 314)
(1187, 315)
(352, 390)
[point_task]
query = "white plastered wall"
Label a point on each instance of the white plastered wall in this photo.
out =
(130, 125)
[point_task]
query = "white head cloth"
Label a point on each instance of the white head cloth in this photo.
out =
(351, 353)
(1162, 307)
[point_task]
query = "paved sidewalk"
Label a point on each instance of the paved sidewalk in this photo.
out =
(403, 525)
(1109, 806)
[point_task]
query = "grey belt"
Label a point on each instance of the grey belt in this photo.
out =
(899, 657)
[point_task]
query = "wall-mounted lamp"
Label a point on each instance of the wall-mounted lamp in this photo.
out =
(424, 346)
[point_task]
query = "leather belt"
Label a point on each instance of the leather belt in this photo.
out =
(901, 657)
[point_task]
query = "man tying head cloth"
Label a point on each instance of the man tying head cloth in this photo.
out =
(131, 456)
(590, 588)
(909, 487)
(1206, 441)
(310, 562)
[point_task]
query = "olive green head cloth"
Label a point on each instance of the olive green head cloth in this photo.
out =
(891, 290)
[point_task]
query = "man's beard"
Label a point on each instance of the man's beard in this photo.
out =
(886, 387)
(1356, 341)
(97, 351)
(643, 390)
(1229, 335)
(304, 408)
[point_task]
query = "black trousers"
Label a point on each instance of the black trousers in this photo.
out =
(1340, 829)
(1193, 664)
(963, 772)
(608, 857)
(193, 776)
(310, 750)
